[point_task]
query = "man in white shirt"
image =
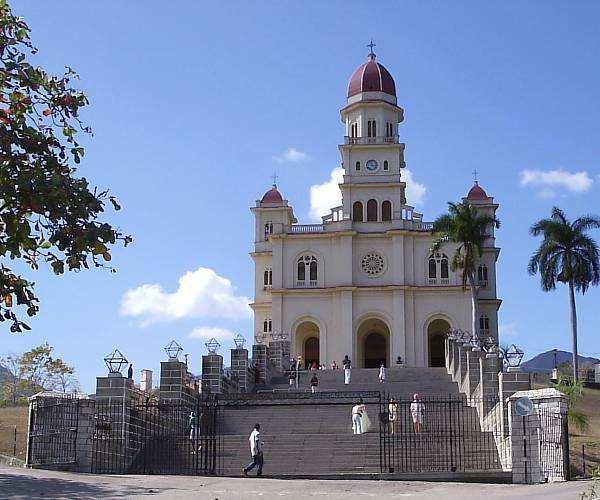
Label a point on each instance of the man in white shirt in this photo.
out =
(256, 451)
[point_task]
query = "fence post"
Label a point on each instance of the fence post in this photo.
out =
(583, 456)
(15, 443)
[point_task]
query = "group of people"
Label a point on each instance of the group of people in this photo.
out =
(361, 423)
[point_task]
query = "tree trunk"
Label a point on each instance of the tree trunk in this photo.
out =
(574, 330)
(473, 288)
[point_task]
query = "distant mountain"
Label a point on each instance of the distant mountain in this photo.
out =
(544, 363)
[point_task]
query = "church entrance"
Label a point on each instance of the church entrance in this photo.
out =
(373, 344)
(375, 350)
(306, 343)
(311, 351)
(436, 334)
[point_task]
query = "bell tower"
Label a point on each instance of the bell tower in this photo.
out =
(372, 155)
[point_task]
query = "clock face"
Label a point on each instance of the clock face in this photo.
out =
(372, 165)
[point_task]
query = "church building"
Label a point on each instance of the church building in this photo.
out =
(364, 282)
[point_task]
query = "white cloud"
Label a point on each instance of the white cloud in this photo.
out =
(415, 192)
(291, 155)
(550, 180)
(508, 329)
(208, 332)
(325, 196)
(201, 294)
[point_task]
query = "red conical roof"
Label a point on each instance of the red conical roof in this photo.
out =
(272, 196)
(371, 77)
(477, 193)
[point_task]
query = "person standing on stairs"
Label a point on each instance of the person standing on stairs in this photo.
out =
(357, 411)
(347, 364)
(314, 383)
(393, 416)
(256, 451)
(382, 373)
(417, 408)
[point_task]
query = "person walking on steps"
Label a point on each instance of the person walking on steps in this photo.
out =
(256, 451)
(382, 373)
(347, 364)
(314, 383)
(417, 408)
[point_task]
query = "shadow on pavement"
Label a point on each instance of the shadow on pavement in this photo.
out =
(19, 486)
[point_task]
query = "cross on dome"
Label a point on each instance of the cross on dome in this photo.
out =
(274, 177)
(475, 172)
(371, 45)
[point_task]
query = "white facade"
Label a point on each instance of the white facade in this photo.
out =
(361, 283)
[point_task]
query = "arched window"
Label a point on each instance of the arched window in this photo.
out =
(307, 264)
(357, 211)
(386, 165)
(267, 325)
(357, 166)
(389, 129)
(371, 210)
(482, 275)
(354, 130)
(444, 268)
(313, 270)
(268, 277)
(374, 127)
(438, 272)
(268, 228)
(484, 323)
(369, 128)
(432, 268)
(386, 210)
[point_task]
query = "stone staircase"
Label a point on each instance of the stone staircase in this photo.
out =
(304, 438)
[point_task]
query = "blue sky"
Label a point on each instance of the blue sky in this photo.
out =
(194, 105)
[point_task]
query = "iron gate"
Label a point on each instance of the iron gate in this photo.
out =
(155, 437)
(553, 435)
(53, 431)
(435, 435)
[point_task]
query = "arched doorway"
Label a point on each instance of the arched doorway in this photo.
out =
(373, 344)
(306, 342)
(311, 351)
(436, 334)
(375, 350)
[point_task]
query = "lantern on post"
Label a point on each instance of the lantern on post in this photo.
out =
(212, 346)
(115, 362)
(514, 356)
(239, 341)
(173, 349)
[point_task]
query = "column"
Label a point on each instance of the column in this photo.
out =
(239, 366)
(212, 369)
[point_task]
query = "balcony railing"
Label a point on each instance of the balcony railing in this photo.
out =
(371, 140)
(306, 228)
(306, 284)
(438, 281)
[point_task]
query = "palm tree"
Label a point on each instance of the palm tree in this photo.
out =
(464, 226)
(568, 255)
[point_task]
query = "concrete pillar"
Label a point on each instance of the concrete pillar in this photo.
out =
(86, 427)
(473, 377)
(536, 458)
(488, 375)
(260, 360)
(175, 382)
(115, 388)
(240, 368)
(146, 381)
(212, 373)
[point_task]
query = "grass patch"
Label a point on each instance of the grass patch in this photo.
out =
(11, 417)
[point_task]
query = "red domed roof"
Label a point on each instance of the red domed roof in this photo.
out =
(371, 77)
(272, 196)
(477, 193)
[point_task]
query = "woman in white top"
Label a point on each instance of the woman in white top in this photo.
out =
(382, 373)
(417, 408)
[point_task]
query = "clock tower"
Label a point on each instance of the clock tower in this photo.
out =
(372, 155)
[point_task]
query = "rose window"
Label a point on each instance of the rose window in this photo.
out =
(373, 264)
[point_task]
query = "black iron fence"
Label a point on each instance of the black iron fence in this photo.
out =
(155, 437)
(53, 431)
(435, 435)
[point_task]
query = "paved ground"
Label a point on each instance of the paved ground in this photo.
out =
(35, 484)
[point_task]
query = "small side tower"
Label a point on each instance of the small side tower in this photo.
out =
(272, 215)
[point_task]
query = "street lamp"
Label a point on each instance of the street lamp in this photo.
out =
(115, 362)
(173, 349)
(514, 355)
(212, 346)
(239, 341)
